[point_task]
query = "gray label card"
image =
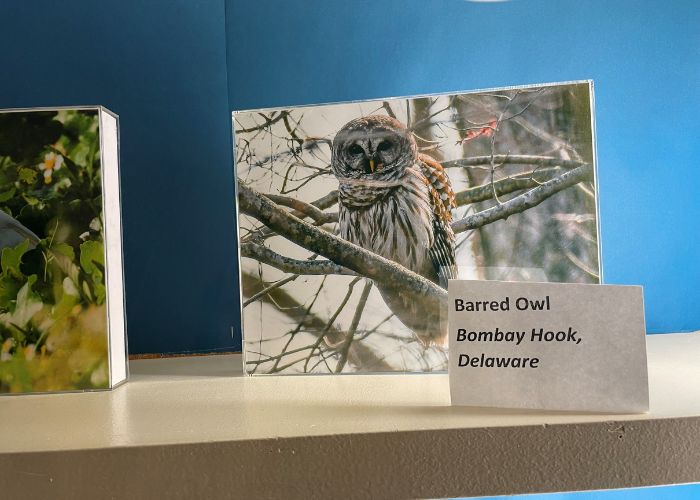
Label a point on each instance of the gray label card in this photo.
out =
(550, 346)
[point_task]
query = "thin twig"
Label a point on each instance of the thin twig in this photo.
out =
(268, 121)
(268, 289)
(330, 322)
(359, 309)
(580, 264)
(300, 324)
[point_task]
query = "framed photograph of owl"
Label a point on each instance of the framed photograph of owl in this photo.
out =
(352, 217)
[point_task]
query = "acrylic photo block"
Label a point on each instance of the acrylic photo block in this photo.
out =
(62, 316)
(353, 216)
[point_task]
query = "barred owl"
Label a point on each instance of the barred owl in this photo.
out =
(397, 203)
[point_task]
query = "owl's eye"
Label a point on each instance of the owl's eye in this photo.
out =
(384, 146)
(355, 150)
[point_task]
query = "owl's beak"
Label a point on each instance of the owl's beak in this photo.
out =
(371, 165)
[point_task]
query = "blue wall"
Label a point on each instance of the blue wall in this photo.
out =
(643, 55)
(161, 65)
(676, 492)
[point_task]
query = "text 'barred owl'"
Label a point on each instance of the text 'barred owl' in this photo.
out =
(397, 203)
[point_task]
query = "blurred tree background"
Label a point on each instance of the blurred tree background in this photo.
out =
(52, 291)
(556, 240)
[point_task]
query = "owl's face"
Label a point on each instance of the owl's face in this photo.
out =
(374, 147)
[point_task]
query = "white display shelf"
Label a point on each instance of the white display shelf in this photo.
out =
(195, 427)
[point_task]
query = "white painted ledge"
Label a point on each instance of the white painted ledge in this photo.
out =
(184, 427)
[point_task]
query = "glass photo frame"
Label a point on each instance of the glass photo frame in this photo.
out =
(353, 216)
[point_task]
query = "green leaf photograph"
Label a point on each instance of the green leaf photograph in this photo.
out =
(52, 270)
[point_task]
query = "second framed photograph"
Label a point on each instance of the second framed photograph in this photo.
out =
(352, 218)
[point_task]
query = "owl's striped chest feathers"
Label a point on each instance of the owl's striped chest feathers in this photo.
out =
(397, 203)
(394, 222)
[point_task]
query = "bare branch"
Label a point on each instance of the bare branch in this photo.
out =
(344, 253)
(322, 203)
(524, 201)
(580, 264)
(327, 201)
(349, 337)
(300, 324)
(543, 161)
(387, 108)
(303, 208)
(359, 353)
(426, 121)
(309, 267)
(330, 324)
(267, 290)
(517, 182)
(268, 121)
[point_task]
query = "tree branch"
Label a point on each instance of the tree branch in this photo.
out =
(268, 289)
(524, 201)
(342, 252)
(293, 266)
(350, 336)
(326, 201)
(330, 324)
(322, 203)
(304, 209)
(358, 354)
(543, 161)
(516, 182)
(268, 121)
